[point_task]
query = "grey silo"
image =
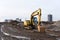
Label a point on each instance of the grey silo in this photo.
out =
(50, 18)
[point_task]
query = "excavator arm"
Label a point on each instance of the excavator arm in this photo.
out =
(38, 13)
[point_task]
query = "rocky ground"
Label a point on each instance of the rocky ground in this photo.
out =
(17, 32)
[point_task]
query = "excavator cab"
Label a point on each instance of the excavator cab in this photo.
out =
(35, 20)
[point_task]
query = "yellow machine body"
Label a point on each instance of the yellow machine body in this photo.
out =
(26, 23)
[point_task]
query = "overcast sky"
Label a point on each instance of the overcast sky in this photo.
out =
(11, 9)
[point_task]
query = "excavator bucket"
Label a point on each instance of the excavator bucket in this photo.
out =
(41, 28)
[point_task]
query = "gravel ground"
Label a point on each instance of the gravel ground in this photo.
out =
(32, 35)
(17, 31)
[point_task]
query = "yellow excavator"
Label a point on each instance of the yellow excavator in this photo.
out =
(30, 24)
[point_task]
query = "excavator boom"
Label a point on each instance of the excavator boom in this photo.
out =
(37, 12)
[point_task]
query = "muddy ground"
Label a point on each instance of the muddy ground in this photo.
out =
(18, 30)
